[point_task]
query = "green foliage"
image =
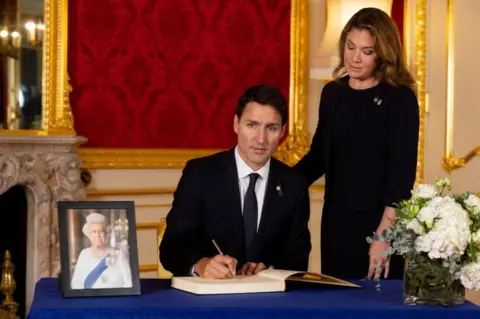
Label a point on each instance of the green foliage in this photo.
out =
(432, 279)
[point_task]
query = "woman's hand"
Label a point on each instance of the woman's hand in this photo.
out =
(378, 261)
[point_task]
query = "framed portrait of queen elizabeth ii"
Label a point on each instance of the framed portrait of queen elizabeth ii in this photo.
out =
(98, 248)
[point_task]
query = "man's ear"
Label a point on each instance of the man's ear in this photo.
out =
(235, 123)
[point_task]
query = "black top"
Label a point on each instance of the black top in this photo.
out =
(366, 143)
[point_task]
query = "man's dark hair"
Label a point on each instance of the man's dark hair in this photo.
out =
(264, 95)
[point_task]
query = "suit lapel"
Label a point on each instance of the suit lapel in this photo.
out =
(231, 197)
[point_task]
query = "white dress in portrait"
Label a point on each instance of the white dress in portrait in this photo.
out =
(96, 273)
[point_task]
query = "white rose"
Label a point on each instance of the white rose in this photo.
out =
(427, 215)
(450, 233)
(423, 243)
(476, 237)
(416, 226)
(474, 202)
(452, 229)
(435, 202)
(443, 183)
(470, 276)
(424, 191)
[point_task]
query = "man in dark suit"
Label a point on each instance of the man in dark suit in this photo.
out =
(252, 206)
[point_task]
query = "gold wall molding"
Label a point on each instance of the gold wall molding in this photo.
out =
(290, 151)
(420, 28)
(57, 117)
(143, 226)
(94, 192)
(153, 205)
(449, 161)
(148, 268)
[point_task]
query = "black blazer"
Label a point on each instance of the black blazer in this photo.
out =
(382, 167)
(207, 206)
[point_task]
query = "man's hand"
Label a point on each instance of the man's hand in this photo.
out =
(253, 268)
(218, 267)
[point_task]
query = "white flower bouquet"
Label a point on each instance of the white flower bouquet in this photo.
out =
(439, 236)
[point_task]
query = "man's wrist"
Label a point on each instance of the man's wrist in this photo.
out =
(192, 272)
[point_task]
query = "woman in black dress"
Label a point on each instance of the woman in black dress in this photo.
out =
(366, 145)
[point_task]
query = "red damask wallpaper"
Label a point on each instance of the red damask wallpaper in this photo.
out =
(167, 74)
(398, 13)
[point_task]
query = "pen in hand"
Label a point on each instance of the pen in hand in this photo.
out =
(218, 247)
(220, 252)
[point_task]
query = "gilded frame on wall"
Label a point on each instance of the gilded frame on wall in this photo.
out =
(415, 39)
(449, 161)
(419, 26)
(56, 112)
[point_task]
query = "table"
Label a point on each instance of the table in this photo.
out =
(158, 300)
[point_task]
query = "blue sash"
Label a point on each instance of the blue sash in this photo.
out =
(96, 273)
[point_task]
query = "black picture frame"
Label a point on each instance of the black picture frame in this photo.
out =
(122, 242)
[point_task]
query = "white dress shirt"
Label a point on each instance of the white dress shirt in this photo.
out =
(244, 179)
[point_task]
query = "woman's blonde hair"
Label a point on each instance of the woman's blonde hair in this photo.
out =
(390, 63)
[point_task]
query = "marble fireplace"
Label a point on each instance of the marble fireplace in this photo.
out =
(48, 169)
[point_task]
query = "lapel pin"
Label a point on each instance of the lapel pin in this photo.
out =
(279, 189)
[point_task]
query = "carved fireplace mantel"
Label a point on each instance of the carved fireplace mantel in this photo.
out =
(48, 168)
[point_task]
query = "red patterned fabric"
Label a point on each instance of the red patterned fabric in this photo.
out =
(398, 13)
(167, 74)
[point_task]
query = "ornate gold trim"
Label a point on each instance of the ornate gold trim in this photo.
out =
(420, 76)
(8, 308)
(139, 158)
(92, 192)
(317, 188)
(450, 162)
(148, 268)
(142, 226)
(153, 205)
(407, 27)
(290, 151)
(57, 116)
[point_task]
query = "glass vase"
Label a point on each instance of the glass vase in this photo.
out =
(428, 282)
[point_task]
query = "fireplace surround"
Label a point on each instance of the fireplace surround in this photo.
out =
(48, 168)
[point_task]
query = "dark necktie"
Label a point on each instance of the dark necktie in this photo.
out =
(250, 214)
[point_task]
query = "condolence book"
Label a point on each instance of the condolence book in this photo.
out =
(270, 280)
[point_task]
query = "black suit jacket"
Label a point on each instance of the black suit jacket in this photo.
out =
(382, 167)
(207, 206)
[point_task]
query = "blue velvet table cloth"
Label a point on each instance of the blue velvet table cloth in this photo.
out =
(158, 300)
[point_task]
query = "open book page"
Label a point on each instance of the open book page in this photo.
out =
(320, 278)
(269, 280)
(277, 274)
(239, 284)
(290, 275)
